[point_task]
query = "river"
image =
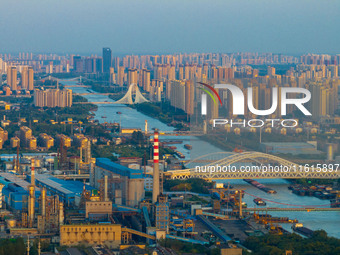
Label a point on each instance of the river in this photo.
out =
(131, 118)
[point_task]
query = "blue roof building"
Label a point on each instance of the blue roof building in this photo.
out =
(129, 187)
(119, 169)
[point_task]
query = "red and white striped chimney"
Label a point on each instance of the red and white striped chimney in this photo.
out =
(155, 191)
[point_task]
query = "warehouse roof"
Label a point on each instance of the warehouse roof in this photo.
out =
(67, 188)
(119, 169)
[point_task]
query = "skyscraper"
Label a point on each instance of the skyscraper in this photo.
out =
(107, 59)
(146, 79)
(112, 75)
(30, 78)
(120, 74)
(12, 77)
(78, 64)
(24, 77)
(27, 77)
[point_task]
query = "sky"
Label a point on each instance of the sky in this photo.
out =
(170, 26)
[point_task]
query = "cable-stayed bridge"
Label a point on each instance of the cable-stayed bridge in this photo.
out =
(126, 99)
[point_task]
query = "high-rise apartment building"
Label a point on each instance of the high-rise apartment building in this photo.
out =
(78, 65)
(270, 71)
(46, 140)
(27, 78)
(177, 94)
(107, 59)
(324, 99)
(189, 97)
(132, 76)
(53, 98)
(26, 138)
(15, 142)
(12, 77)
(112, 75)
(145, 80)
(121, 75)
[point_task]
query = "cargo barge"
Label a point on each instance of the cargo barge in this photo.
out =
(188, 146)
(260, 186)
(259, 202)
(172, 142)
(319, 191)
(299, 228)
(267, 218)
(179, 154)
(277, 230)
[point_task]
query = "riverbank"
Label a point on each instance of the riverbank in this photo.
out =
(131, 118)
(165, 113)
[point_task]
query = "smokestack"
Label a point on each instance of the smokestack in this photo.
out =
(28, 245)
(330, 152)
(32, 172)
(43, 202)
(80, 155)
(17, 163)
(155, 187)
(61, 213)
(105, 189)
(31, 205)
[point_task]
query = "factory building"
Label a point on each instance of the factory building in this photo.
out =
(98, 209)
(162, 213)
(91, 235)
(131, 188)
(16, 191)
(69, 192)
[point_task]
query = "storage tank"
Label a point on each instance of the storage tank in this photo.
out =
(49, 160)
(57, 172)
(134, 166)
(148, 169)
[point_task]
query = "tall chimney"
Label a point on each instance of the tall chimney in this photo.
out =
(31, 205)
(43, 202)
(61, 213)
(329, 152)
(32, 172)
(155, 187)
(105, 189)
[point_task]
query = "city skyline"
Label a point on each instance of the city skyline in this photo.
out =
(163, 127)
(147, 27)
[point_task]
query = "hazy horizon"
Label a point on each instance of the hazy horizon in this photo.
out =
(161, 27)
